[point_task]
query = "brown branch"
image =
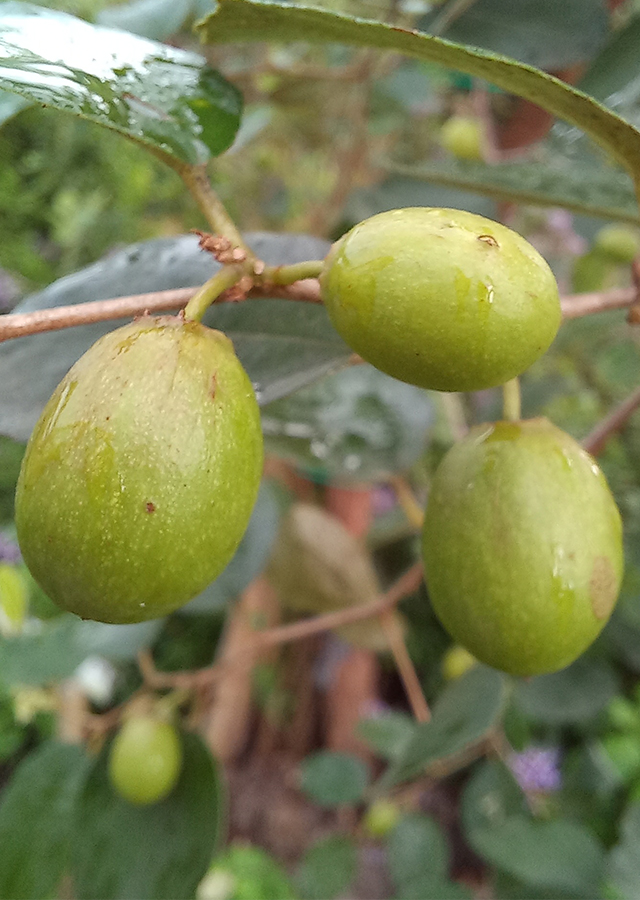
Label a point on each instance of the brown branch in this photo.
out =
(577, 305)
(596, 441)
(59, 317)
(283, 634)
(404, 664)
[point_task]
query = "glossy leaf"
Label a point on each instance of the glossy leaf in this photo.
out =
(251, 20)
(585, 187)
(357, 424)
(36, 818)
(282, 345)
(575, 694)
(542, 33)
(155, 19)
(123, 852)
(333, 779)
(327, 868)
(465, 711)
(162, 97)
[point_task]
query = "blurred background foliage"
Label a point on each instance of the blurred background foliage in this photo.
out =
(535, 791)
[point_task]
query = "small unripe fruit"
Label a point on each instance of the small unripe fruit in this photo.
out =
(381, 818)
(139, 479)
(462, 137)
(145, 760)
(522, 546)
(441, 298)
(456, 662)
(619, 243)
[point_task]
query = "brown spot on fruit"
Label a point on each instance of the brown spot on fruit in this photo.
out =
(214, 384)
(150, 507)
(603, 588)
(488, 239)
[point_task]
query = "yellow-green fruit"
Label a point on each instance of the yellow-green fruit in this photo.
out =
(381, 818)
(462, 136)
(456, 661)
(139, 479)
(522, 546)
(145, 760)
(441, 298)
(619, 243)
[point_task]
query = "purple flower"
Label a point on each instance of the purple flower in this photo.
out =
(9, 550)
(537, 769)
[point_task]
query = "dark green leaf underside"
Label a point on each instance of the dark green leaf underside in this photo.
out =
(282, 345)
(257, 20)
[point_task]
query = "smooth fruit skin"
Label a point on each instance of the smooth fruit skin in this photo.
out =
(441, 298)
(139, 479)
(145, 760)
(522, 546)
(618, 243)
(462, 137)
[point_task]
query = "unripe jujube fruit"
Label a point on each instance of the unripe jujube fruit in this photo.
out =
(441, 298)
(139, 479)
(145, 760)
(619, 243)
(462, 136)
(522, 546)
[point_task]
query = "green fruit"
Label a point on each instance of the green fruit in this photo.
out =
(441, 298)
(139, 479)
(456, 662)
(462, 136)
(381, 818)
(522, 546)
(145, 760)
(618, 243)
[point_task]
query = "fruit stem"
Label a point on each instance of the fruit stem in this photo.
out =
(199, 186)
(310, 268)
(224, 278)
(511, 400)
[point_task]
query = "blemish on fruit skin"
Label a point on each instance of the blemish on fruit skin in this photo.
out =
(603, 587)
(150, 507)
(488, 239)
(214, 385)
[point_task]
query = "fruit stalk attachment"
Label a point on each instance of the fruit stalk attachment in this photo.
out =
(511, 400)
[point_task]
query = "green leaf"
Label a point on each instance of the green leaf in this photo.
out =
(417, 849)
(51, 655)
(251, 20)
(36, 816)
(327, 868)
(160, 851)
(357, 424)
(575, 694)
(465, 711)
(585, 187)
(282, 345)
(427, 888)
(388, 734)
(155, 19)
(615, 69)
(560, 855)
(623, 863)
(542, 33)
(249, 560)
(55, 652)
(166, 99)
(334, 779)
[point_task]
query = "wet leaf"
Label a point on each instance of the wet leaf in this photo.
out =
(162, 97)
